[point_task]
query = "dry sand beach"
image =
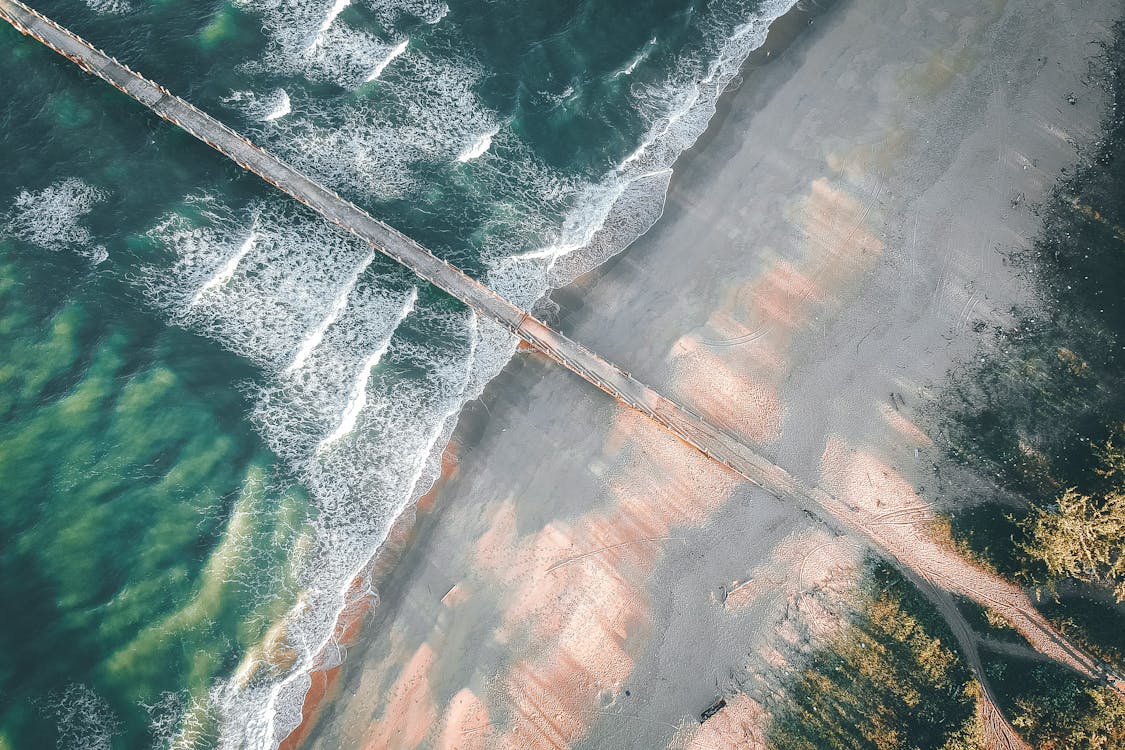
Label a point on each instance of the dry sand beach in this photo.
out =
(581, 578)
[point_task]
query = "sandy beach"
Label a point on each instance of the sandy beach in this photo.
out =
(581, 578)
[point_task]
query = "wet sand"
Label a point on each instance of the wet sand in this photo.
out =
(584, 579)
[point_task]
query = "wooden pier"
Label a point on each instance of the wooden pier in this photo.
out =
(936, 575)
(712, 441)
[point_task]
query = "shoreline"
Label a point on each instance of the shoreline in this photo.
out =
(362, 597)
(652, 541)
(405, 530)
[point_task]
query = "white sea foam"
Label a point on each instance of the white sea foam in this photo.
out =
(478, 147)
(362, 483)
(84, 719)
(358, 398)
(363, 417)
(312, 341)
(281, 108)
(360, 439)
(336, 9)
(112, 7)
(282, 284)
(427, 112)
(397, 50)
(266, 108)
(177, 722)
(607, 216)
(50, 218)
(637, 59)
(310, 40)
(442, 12)
(226, 271)
(429, 11)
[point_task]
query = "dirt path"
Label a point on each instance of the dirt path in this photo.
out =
(831, 243)
(866, 493)
(1010, 648)
(996, 731)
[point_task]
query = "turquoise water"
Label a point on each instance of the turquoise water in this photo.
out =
(214, 404)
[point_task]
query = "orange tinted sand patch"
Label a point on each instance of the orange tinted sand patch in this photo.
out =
(324, 686)
(813, 572)
(409, 713)
(744, 401)
(552, 700)
(574, 591)
(466, 724)
(903, 426)
(839, 241)
(868, 484)
(325, 681)
(887, 506)
(456, 595)
(358, 602)
(661, 482)
(449, 467)
(732, 368)
(739, 725)
(490, 547)
(810, 560)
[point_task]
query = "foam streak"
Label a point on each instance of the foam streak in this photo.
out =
(336, 9)
(398, 50)
(224, 274)
(313, 339)
(479, 147)
(283, 107)
(358, 399)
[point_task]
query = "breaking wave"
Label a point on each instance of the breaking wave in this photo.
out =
(364, 378)
(478, 147)
(363, 372)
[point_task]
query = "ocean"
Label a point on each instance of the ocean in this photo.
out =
(213, 404)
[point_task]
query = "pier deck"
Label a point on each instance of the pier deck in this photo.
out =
(936, 571)
(690, 427)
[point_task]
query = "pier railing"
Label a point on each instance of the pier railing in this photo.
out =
(688, 425)
(714, 442)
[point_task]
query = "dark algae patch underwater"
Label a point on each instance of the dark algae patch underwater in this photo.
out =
(184, 347)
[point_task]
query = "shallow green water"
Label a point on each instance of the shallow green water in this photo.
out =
(213, 405)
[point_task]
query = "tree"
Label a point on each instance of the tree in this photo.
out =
(1083, 535)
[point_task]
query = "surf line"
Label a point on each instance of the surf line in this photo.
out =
(711, 440)
(358, 398)
(226, 271)
(312, 341)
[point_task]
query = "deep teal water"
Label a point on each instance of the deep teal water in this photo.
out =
(212, 405)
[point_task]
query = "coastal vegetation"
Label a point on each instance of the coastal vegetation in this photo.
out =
(1082, 535)
(890, 680)
(1041, 413)
(1052, 708)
